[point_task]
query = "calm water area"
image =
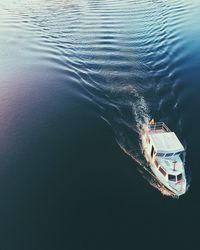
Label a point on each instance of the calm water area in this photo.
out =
(77, 80)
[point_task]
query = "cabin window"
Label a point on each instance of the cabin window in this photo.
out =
(177, 153)
(179, 177)
(160, 154)
(171, 177)
(169, 154)
(152, 151)
(162, 171)
(156, 163)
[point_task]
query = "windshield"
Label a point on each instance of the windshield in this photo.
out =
(169, 154)
(160, 154)
(171, 177)
(179, 177)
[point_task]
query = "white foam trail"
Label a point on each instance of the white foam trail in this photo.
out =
(128, 95)
(141, 111)
(149, 176)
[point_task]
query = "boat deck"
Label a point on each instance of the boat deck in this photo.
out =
(156, 131)
(158, 127)
(168, 164)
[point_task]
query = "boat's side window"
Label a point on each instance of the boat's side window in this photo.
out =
(162, 171)
(177, 153)
(160, 154)
(171, 177)
(179, 177)
(169, 154)
(156, 163)
(152, 151)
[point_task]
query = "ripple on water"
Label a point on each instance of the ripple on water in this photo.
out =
(128, 57)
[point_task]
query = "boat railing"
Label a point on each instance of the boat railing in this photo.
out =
(158, 126)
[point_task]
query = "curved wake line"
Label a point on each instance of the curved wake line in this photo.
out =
(149, 176)
(140, 111)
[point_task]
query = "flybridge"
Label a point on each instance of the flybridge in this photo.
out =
(163, 140)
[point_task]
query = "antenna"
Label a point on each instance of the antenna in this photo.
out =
(174, 162)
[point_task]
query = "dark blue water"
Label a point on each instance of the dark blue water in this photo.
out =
(77, 79)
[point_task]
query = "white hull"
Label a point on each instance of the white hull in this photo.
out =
(178, 188)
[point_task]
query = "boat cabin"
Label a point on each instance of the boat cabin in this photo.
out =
(171, 169)
(165, 144)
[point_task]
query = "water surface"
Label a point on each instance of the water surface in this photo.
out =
(77, 79)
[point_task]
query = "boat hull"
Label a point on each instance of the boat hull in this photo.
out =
(176, 189)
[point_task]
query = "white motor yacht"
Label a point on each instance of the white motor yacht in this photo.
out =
(162, 150)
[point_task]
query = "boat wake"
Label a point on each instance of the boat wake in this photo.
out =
(128, 136)
(147, 174)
